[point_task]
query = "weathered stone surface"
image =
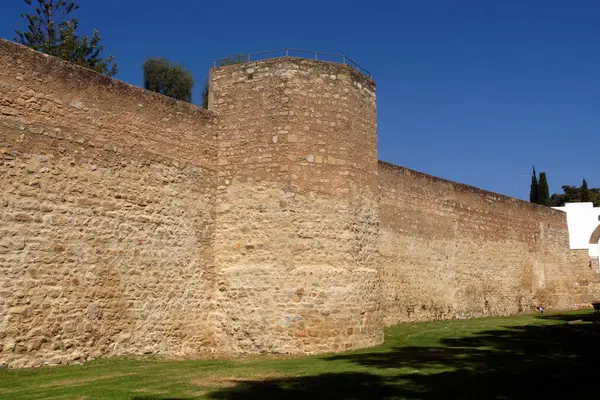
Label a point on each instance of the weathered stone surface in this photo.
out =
(106, 262)
(293, 265)
(105, 246)
(302, 271)
(453, 251)
(131, 223)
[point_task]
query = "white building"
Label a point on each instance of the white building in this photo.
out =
(583, 220)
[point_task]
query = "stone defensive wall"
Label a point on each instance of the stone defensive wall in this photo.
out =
(131, 223)
(451, 250)
(107, 216)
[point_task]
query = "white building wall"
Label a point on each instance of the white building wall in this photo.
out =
(582, 220)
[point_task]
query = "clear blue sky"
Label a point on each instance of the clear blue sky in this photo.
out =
(472, 91)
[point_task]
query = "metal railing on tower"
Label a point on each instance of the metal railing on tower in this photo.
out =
(291, 52)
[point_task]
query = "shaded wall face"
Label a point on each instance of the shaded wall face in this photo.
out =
(453, 251)
(106, 211)
(296, 223)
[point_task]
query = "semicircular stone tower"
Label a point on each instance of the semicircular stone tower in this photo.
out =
(297, 222)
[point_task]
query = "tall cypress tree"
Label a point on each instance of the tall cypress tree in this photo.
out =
(585, 192)
(533, 191)
(543, 190)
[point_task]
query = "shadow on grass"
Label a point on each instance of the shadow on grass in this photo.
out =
(324, 386)
(157, 398)
(523, 362)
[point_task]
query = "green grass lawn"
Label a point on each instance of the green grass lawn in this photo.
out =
(549, 356)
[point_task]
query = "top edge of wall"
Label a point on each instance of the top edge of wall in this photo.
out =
(469, 189)
(79, 78)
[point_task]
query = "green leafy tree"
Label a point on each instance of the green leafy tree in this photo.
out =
(585, 192)
(573, 194)
(557, 200)
(543, 190)
(595, 196)
(49, 31)
(235, 59)
(533, 191)
(170, 79)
